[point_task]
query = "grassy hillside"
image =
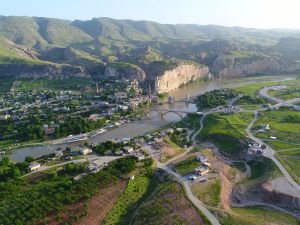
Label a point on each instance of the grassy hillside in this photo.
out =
(285, 125)
(168, 205)
(60, 32)
(227, 131)
(40, 32)
(12, 53)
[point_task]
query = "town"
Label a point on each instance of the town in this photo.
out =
(43, 115)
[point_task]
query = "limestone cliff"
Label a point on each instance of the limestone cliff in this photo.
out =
(182, 74)
(125, 71)
(225, 66)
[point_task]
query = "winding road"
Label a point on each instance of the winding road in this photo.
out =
(269, 153)
(185, 183)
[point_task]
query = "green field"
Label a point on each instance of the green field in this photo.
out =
(186, 166)
(130, 198)
(256, 216)
(290, 92)
(285, 125)
(227, 131)
(252, 89)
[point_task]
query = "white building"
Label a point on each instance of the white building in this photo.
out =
(34, 166)
(85, 151)
(201, 158)
(128, 149)
(202, 170)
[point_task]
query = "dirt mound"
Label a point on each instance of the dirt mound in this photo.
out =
(264, 193)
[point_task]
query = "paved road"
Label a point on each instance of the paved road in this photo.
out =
(250, 203)
(185, 182)
(189, 193)
(278, 102)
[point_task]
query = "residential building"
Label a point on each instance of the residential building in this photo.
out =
(128, 149)
(34, 166)
(85, 151)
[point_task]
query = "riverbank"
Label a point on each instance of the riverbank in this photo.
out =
(148, 124)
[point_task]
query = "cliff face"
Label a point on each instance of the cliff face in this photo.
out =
(42, 70)
(127, 73)
(230, 67)
(180, 75)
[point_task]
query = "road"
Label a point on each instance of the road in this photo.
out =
(189, 193)
(99, 159)
(278, 102)
(269, 153)
(249, 204)
(185, 183)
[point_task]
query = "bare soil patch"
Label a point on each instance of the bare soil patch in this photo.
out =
(168, 152)
(101, 204)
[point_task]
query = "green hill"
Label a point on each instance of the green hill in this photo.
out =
(154, 47)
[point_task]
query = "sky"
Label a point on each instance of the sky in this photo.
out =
(245, 13)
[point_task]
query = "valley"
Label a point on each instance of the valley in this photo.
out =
(108, 121)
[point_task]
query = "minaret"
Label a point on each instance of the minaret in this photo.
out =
(149, 90)
(97, 88)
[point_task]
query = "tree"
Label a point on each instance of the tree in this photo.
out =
(29, 159)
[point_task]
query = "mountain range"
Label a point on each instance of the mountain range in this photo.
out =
(35, 46)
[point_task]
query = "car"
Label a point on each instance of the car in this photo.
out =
(192, 177)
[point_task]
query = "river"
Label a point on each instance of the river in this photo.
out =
(153, 121)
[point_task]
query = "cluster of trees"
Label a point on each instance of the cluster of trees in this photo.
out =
(10, 170)
(247, 99)
(110, 145)
(30, 203)
(215, 98)
(77, 125)
(25, 131)
(180, 139)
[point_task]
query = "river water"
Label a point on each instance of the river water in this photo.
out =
(153, 121)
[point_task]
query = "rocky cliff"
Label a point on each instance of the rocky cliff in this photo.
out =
(182, 74)
(125, 71)
(42, 70)
(225, 66)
